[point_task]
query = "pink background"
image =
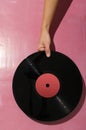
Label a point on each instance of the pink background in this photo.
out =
(20, 22)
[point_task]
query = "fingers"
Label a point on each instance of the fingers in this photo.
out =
(45, 48)
(44, 42)
(41, 48)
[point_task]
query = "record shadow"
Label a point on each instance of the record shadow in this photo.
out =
(60, 12)
(74, 112)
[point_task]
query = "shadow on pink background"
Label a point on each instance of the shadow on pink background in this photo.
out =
(20, 22)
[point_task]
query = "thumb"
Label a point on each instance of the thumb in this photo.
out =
(47, 51)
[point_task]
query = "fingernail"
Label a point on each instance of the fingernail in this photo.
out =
(48, 55)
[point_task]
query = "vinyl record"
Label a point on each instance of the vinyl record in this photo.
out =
(47, 89)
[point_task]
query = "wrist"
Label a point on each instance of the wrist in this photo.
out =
(45, 27)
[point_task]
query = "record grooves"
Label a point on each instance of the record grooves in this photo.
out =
(47, 89)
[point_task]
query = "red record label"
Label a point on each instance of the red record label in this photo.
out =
(47, 85)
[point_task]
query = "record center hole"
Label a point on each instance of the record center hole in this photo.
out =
(47, 85)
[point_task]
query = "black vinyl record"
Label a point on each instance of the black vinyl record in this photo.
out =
(47, 89)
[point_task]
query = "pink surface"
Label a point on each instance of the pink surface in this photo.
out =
(20, 22)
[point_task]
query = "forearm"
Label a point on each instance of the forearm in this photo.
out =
(48, 12)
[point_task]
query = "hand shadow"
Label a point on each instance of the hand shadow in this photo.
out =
(61, 10)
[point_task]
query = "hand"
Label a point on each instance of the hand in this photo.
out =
(44, 42)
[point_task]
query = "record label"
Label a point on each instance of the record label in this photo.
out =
(47, 85)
